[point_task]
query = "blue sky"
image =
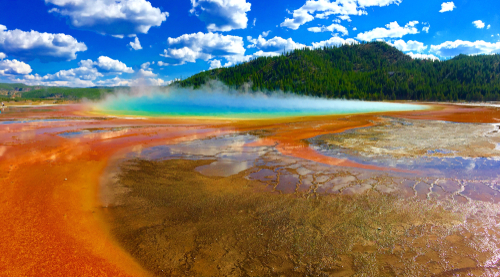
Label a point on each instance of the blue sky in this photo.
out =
(86, 43)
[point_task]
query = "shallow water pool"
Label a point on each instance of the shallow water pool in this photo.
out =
(237, 105)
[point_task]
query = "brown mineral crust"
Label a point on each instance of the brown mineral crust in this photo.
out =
(457, 113)
(181, 223)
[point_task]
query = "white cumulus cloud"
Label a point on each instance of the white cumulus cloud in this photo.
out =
(454, 48)
(236, 59)
(157, 82)
(146, 73)
(420, 56)
(141, 81)
(391, 30)
(345, 17)
(108, 65)
(148, 82)
(215, 64)
(324, 8)
(114, 82)
(379, 3)
(84, 75)
(334, 41)
(479, 24)
(204, 46)
(411, 45)
(47, 47)
(14, 67)
(75, 74)
(276, 44)
(37, 80)
(136, 44)
(261, 53)
(332, 28)
(111, 17)
(447, 7)
(2, 56)
(222, 15)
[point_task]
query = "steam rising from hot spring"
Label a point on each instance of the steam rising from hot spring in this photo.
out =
(223, 102)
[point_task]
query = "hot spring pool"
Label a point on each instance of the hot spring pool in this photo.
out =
(237, 105)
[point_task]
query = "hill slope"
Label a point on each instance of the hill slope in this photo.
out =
(13, 91)
(370, 71)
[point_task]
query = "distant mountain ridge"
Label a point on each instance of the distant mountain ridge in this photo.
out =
(369, 71)
(17, 91)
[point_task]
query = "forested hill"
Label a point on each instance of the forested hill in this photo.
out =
(20, 92)
(370, 71)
